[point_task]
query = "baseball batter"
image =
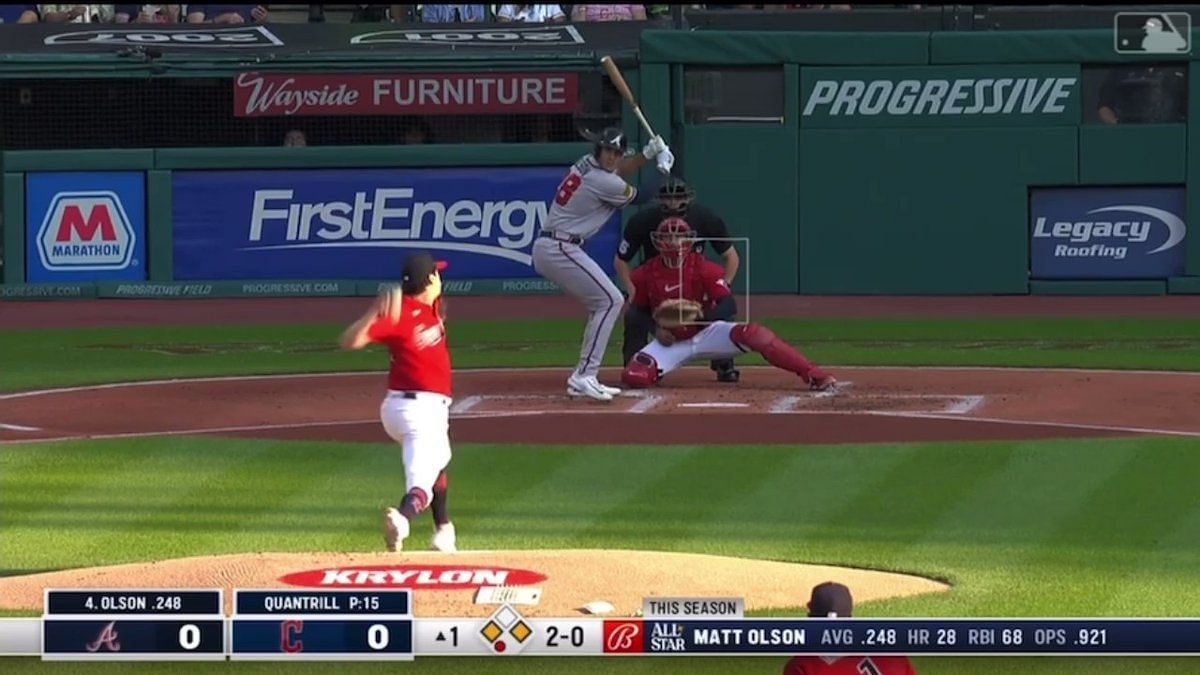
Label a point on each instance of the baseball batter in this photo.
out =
(687, 294)
(593, 189)
(416, 410)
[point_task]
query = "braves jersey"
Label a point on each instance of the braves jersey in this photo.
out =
(698, 279)
(417, 343)
(849, 665)
(586, 199)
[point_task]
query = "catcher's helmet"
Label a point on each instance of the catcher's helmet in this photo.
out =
(612, 138)
(675, 189)
(673, 238)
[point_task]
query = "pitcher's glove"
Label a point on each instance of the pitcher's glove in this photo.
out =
(677, 312)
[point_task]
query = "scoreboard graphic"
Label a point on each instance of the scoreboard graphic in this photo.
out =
(378, 625)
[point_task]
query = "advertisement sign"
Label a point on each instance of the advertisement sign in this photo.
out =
(85, 226)
(154, 36)
(275, 94)
(361, 223)
(929, 96)
(1107, 232)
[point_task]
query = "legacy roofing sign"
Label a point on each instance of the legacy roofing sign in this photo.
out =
(940, 96)
(1107, 233)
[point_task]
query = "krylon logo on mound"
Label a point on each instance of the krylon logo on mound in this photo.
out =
(428, 577)
(1107, 233)
(86, 231)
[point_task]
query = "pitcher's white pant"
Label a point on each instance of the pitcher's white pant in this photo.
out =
(580, 277)
(713, 342)
(421, 426)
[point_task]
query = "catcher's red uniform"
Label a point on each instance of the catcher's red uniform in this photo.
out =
(849, 665)
(699, 279)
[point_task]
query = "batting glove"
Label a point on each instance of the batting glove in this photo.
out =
(655, 147)
(666, 160)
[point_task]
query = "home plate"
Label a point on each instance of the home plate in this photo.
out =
(714, 404)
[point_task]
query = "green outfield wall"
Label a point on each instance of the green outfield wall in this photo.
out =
(898, 163)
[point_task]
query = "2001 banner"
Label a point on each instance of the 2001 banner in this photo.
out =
(360, 223)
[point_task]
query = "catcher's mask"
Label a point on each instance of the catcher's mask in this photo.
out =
(674, 239)
(674, 195)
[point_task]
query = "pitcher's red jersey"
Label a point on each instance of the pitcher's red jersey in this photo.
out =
(849, 665)
(417, 342)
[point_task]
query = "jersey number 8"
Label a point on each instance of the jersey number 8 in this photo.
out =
(568, 187)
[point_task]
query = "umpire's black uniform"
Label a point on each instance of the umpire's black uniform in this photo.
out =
(706, 223)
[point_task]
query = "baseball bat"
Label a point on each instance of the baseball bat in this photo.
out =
(618, 80)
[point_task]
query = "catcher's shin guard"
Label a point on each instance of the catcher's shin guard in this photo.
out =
(641, 372)
(778, 353)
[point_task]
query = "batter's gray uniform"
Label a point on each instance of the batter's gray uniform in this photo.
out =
(585, 200)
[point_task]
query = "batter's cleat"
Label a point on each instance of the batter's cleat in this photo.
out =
(589, 387)
(611, 390)
(729, 375)
(823, 383)
(444, 539)
(395, 529)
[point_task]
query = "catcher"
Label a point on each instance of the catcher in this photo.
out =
(692, 307)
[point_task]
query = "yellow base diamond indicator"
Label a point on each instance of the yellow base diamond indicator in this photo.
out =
(491, 631)
(521, 631)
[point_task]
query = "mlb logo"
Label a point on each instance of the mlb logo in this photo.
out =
(1152, 33)
(86, 232)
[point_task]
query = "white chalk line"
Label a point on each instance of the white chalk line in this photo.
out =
(18, 427)
(1066, 425)
(646, 404)
(785, 404)
(712, 404)
(465, 404)
(964, 405)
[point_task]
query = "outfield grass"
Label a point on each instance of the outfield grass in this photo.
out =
(1062, 528)
(49, 358)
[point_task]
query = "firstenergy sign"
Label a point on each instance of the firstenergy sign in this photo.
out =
(940, 96)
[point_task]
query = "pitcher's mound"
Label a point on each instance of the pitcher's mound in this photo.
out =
(446, 584)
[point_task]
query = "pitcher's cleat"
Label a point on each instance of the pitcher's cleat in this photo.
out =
(444, 539)
(395, 529)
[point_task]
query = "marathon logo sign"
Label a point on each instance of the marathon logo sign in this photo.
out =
(940, 96)
(1107, 233)
(270, 94)
(85, 234)
(150, 36)
(360, 223)
(538, 36)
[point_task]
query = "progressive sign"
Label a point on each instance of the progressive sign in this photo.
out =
(1000, 95)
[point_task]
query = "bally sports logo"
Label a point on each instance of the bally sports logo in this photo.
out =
(86, 231)
(419, 577)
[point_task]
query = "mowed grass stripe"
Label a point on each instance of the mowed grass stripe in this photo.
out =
(790, 513)
(681, 510)
(1004, 522)
(571, 505)
(1167, 569)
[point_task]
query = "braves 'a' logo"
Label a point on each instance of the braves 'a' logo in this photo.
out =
(106, 639)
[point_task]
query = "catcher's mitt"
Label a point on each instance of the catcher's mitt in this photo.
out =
(678, 312)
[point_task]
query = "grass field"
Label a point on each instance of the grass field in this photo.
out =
(1063, 528)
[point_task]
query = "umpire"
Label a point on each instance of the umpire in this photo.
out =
(674, 199)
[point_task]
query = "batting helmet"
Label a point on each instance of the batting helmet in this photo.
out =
(611, 138)
(674, 195)
(673, 238)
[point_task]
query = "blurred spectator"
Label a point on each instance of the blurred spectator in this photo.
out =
(530, 13)
(608, 13)
(226, 14)
(76, 13)
(832, 600)
(415, 131)
(366, 14)
(18, 14)
(295, 138)
(1135, 94)
(147, 14)
(453, 13)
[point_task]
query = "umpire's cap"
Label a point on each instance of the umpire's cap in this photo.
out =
(830, 599)
(417, 269)
(611, 137)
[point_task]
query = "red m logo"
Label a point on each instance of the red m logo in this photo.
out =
(99, 218)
